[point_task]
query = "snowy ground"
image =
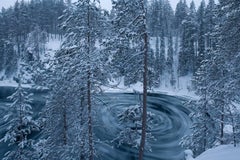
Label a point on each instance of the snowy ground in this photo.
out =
(12, 83)
(224, 152)
(183, 90)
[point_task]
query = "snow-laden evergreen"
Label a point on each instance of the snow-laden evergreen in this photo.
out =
(21, 124)
(138, 46)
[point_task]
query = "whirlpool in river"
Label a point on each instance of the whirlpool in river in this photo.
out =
(171, 123)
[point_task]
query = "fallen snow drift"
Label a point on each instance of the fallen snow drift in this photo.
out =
(224, 152)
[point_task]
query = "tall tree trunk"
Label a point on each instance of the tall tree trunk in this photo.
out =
(205, 127)
(205, 113)
(90, 136)
(222, 125)
(83, 134)
(222, 104)
(177, 54)
(233, 129)
(64, 125)
(21, 115)
(145, 56)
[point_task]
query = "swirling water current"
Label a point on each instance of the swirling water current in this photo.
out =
(171, 123)
(170, 117)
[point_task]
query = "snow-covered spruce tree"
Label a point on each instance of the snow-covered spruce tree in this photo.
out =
(62, 113)
(205, 128)
(200, 35)
(131, 28)
(155, 17)
(210, 22)
(162, 60)
(151, 70)
(62, 103)
(170, 62)
(158, 70)
(73, 94)
(18, 22)
(123, 46)
(90, 66)
(9, 58)
(222, 78)
(181, 13)
(187, 54)
(2, 43)
(160, 17)
(21, 124)
(203, 134)
(227, 53)
(130, 120)
(233, 112)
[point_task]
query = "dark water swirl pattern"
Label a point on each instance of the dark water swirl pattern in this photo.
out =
(170, 117)
(171, 123)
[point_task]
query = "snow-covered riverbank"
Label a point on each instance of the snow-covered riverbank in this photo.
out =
(224, 152)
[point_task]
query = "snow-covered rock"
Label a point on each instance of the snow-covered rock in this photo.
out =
(188, 154)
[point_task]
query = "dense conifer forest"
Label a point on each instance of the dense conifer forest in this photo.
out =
(138, 41)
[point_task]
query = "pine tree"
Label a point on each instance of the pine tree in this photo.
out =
(2, 54)
(187, 54)
(158, 69)
(210, 22)
(21, 124)
(160, 19)
(18, 23)
(217, 79)
(180, 13)
(130, 119)
(155, 18)
(162, 59)
(201, 34)
(131, 26)
(81, 61)
(203, 135)
(62, 113)
(122, 47)
(226, 53)
(170, 62)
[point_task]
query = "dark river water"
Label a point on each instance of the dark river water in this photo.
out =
(170, 117)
